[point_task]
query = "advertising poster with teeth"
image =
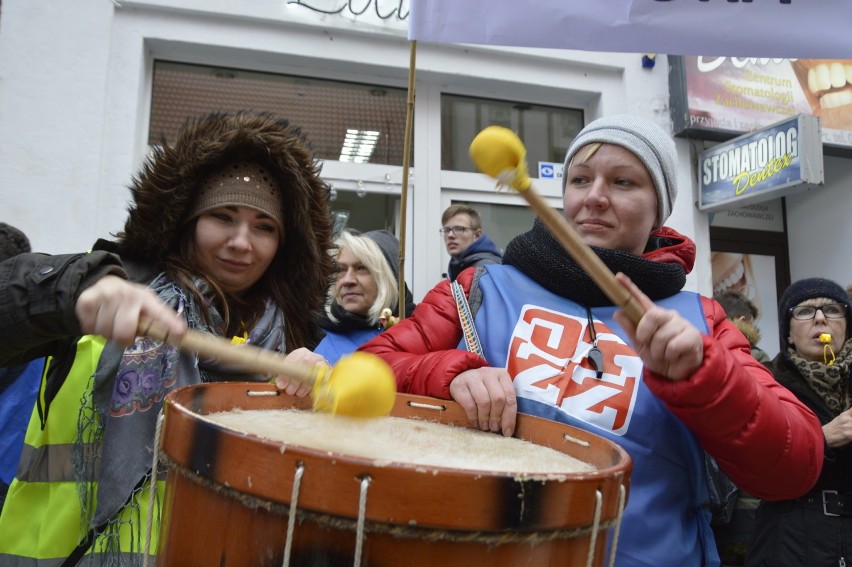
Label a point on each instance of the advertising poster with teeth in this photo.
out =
(752, 276)
(718, 97)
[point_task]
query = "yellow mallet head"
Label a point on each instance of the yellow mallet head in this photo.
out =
(499, 152)
(359, 385)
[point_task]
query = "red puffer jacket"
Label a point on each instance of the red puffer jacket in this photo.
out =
(769, 443)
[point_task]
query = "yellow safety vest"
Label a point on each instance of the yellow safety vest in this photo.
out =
(43, 519)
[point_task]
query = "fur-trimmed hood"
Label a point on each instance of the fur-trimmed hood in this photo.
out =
(168, 182)
(164, 191)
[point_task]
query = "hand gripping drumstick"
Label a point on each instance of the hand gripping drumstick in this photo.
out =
(359, 385)
(498, 152)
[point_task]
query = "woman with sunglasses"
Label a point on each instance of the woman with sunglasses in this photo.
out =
(815, 363)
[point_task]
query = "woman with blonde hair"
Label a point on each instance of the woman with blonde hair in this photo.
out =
(363, 299)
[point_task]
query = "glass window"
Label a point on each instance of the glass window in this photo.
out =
(547, 131)
(501, 223)
(343, 121)
(364, 211)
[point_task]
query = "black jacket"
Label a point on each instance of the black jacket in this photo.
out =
(798, 533)
(37, 299)
(837, 466)
(481, 252)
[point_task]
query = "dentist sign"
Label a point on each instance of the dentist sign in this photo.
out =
(779, 160)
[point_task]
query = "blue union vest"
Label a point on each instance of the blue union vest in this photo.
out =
(542, 339)
(334, 344)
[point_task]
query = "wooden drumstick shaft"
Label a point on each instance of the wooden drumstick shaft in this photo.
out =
(583, 255)
(500, 153)
(250, 357)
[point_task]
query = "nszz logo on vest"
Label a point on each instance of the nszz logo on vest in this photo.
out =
(547, 361)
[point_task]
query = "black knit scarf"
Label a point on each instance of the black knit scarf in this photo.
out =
(541, 257)
(345, 321)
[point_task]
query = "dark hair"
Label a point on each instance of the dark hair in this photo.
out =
(12, 242)
(736, 305)
(453, 210)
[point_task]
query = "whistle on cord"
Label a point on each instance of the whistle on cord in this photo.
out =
(827, 352)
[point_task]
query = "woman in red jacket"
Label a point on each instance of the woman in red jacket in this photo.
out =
(680, 382)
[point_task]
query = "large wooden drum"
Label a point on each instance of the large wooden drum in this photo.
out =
(231, 495)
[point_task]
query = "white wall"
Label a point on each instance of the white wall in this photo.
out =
(75, 91)
(53, 80)
(819, 227)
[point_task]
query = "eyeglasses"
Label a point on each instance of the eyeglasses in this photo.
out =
(457, 230)
(829, 310)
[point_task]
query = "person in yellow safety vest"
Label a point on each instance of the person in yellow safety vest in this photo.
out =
(229, 233)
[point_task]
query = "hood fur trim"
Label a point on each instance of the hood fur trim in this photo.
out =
(165, 189)
(168, 182)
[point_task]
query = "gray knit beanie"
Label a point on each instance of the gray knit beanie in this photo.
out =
(650, 143)
(389, 246)
(802, 290)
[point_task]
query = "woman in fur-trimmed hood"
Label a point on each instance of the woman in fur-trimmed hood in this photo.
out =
(165, 189)
(229, 228)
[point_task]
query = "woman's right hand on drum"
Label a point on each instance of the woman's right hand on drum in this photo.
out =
(113, 307)
(302, 357)
(488, 396)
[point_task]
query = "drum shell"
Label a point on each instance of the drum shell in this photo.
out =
(228, 494)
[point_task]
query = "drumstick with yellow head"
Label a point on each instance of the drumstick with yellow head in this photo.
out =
(359, 385)
(498, 152)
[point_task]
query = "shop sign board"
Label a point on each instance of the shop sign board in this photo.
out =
(781, 159)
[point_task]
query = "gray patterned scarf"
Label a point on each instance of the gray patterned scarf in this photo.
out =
(131, 383)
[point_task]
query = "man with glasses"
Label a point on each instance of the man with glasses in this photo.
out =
(815, 364)
(466, 243)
